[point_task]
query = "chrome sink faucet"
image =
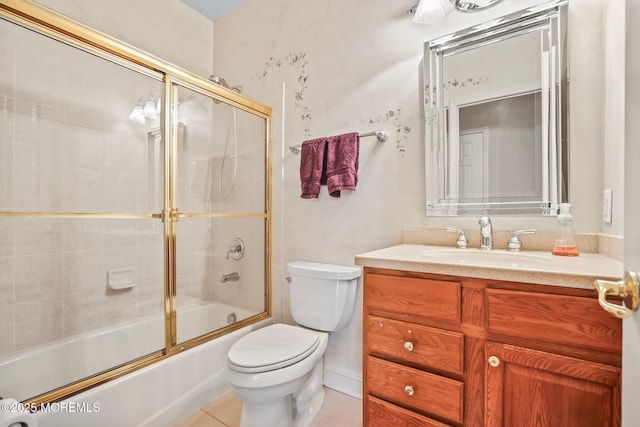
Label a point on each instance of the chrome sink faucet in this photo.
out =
(486, 233)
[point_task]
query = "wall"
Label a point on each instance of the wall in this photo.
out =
(614, 108)
(168, 29)
(334, 66)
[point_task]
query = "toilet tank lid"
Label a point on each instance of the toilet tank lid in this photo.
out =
(323, 271)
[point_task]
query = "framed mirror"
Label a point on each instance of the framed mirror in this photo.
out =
(496, 116)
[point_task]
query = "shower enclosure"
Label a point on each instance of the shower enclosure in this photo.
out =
(135, 213)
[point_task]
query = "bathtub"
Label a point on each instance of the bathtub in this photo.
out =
(157, 395)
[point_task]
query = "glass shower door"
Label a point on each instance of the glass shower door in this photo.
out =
(81, 238)
(222, 232)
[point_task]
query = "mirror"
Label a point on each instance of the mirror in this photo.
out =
(496, 116)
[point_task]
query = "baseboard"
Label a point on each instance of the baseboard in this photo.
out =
(343, 381)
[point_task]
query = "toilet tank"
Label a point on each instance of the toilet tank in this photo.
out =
(322, 296)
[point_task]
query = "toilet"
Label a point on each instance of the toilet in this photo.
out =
(277, 371)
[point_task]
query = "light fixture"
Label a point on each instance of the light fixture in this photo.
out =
(474, 5)
(431, 11)
(150, 109)
(137, 115)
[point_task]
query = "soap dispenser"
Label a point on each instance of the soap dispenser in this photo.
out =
(565, 243)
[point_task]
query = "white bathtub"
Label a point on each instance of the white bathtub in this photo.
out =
(157, 395)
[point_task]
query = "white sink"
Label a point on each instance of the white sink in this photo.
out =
(481, 257)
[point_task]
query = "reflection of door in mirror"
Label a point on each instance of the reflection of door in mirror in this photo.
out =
(474, 144)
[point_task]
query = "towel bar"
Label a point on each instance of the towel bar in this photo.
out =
(380, 134)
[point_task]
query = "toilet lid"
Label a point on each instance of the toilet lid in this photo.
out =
(273, 347)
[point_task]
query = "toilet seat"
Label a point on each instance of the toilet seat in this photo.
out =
(273, 347)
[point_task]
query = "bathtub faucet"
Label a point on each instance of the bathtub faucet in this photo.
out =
(233, 277)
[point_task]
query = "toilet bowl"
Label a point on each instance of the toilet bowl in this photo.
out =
(277, 371)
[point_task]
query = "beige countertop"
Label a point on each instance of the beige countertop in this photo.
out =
(526, 266)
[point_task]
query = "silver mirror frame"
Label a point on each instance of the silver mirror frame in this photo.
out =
(552, 15)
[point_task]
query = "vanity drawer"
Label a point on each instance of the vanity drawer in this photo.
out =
(561, 319)
(415, 389)
(385, 414)
(416, 344)
(436, 299)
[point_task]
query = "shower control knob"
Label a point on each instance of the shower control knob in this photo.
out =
(236, 249)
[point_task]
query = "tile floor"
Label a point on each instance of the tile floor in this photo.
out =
(338, 410)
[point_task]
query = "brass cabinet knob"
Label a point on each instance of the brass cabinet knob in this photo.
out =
(408, 346)
(408, 390)
(494, 361)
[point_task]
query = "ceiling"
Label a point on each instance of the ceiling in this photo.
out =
(212, 9)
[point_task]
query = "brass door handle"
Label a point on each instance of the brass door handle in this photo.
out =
(628, 289)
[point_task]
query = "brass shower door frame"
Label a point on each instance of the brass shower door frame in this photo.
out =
(42, 20)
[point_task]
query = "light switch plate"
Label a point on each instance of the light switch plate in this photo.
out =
(607, 206)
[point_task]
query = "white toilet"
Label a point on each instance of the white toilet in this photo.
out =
(277, 371)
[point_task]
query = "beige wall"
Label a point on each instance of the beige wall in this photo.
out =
(168, 29)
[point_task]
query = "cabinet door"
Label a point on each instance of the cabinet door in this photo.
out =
(527, 387)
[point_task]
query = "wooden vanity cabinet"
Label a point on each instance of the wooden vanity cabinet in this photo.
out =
(454, 351)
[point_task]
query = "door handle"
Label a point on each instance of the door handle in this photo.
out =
(628, 289)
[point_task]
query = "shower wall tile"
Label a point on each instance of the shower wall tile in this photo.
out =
(7, 328)
(38, 322)
(120, 306)
(83, 311)
(82, 148)
(38, 277)
(37, 235)
(83, 234)
(120, 233)
(124, 152)
(117, 194)
(116, 259)
(6, 281)
(84, 271)
(38, 187)
(151, 264)
(6, 160)
(84, 190)
(150, 232)
(7, 236)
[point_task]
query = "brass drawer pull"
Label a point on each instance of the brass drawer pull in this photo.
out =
(494, 362)
(408, 390)
(408, 345)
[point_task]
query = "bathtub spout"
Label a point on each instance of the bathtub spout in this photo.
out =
(233, 277)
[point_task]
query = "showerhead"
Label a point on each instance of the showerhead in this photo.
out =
(219, 80)
(222, 82)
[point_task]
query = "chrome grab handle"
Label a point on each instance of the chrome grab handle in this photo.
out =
(628, 289)
(514, 242)
(461, 242)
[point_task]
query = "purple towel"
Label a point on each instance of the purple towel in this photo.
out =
(312, 165)
(342, 162)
